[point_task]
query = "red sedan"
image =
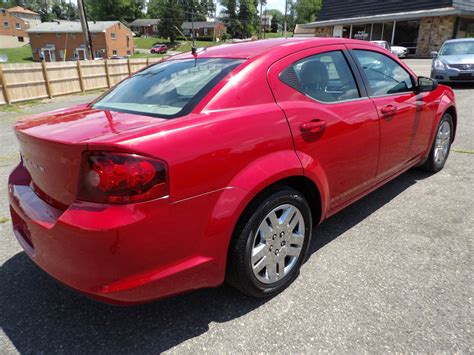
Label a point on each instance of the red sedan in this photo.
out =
(218, 166)
(159, 48)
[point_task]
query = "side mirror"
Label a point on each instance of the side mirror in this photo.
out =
(425, 84)
(434, 54)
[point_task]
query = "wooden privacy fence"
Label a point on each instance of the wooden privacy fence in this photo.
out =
(21, 82)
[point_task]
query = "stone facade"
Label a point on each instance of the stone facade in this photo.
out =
(323, 31)
(433, 32)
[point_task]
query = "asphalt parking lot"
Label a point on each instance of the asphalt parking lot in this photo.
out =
(391, 273)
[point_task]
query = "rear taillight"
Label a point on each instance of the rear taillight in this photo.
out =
(109, 177)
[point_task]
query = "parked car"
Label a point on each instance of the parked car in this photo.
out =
(454, 62)
(399, 51)
(217, 166)
(159, 48)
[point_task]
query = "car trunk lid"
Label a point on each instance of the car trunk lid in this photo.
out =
(51, 146)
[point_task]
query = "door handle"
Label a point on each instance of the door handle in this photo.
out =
(314, 126)
(388, 110)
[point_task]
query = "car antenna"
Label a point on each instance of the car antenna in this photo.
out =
(193, 48)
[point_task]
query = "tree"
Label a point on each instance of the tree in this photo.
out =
(63, 10)
(240, 17)
(229, 13)
(171, 15)
(277, 19)
(110, 10)
(306, 10)
(198, 10)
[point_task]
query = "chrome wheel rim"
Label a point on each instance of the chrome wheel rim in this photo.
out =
(277, 244)
(443, 139)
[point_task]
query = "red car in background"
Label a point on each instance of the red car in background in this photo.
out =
(159, 48)
(218, 166)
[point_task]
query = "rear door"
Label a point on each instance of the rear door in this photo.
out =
(405, 119)
(334, 125)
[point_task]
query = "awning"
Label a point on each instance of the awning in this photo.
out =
(398, 16)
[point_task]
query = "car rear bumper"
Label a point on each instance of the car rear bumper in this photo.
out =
(122, 254)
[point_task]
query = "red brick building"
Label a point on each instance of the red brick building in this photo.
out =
(204, 29)
(13, 25)
(63, 40)
(145, 26)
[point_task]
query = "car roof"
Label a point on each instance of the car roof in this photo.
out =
(249, 49)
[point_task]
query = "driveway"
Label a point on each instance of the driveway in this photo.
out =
(393, 272)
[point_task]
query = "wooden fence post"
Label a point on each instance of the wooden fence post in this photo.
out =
(46, 80)
(129, 66)
(3, 82)
(79, 72)
(147, 61)
(107, 74)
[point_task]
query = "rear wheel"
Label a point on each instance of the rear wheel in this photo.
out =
(441, 145)
(270, 243)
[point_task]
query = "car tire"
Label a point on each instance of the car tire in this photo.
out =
(441, 145)
(266, 252)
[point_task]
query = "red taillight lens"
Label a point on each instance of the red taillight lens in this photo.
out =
(109, 177)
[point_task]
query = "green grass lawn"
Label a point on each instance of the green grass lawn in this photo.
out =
(17, 55)
(276, 35)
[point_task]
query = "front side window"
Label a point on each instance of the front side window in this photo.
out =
(168, 89)
(384, 75)
(325, 77)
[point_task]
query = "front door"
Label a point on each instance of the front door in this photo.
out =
(404, 120)
(334, 125)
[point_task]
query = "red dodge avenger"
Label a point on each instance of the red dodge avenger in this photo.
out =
(217, 166)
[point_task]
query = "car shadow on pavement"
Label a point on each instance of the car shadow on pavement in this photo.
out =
(40, 316)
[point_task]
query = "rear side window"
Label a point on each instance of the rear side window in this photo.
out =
(325, 77)
(384, 75)
(168, 89)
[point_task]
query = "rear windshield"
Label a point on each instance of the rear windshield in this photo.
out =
(168, 89)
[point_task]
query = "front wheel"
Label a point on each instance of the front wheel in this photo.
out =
(270, 243)
(441, 145)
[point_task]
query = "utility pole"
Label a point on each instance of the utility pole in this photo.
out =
(85, 28)
(284, 26)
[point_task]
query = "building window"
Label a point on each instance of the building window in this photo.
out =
(61, 53)
(18, 26)
(206, 32)
(6, 24)
(155, 28)
(4, 12)
(406, 34)
(377, 29)
(21, 39)
(58, 34)
(114, 52)
(128, 41)
(346, 31)
(113, 35)
(361, 31)
(38, 35)
(129, 52)
(387, 32)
